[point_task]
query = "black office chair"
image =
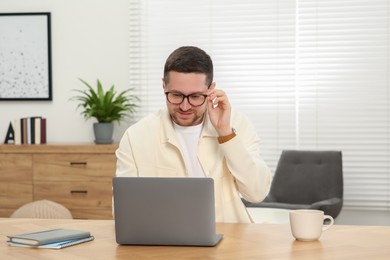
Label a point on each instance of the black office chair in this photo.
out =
(306, 180)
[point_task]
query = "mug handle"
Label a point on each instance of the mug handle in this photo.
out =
(325, 227)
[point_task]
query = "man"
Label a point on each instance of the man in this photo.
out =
(198, 135)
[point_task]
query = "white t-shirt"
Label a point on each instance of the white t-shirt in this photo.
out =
(188, 140)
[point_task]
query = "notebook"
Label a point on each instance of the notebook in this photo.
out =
(55, 245)
(165, 211)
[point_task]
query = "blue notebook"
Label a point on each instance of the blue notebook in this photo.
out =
(52, 238)
(56, 245)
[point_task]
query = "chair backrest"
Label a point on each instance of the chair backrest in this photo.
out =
(42, 209)
(305, 177)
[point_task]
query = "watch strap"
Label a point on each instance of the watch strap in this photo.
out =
(224, 139)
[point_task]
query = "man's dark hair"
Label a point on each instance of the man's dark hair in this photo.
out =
(189, 59)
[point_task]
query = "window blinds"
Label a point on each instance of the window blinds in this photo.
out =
(309, 74)
(342, 70)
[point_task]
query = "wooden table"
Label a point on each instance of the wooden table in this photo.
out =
(241, 241)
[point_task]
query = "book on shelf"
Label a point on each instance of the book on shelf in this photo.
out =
(48, 236)
(17, 135)
(43, 130)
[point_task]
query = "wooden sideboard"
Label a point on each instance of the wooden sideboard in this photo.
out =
(78, 176)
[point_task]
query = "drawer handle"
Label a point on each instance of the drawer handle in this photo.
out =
(78, 163)
(78, 191)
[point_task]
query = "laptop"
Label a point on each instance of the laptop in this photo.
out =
(176, 211)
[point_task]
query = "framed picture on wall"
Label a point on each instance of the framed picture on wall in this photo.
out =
(25, 56)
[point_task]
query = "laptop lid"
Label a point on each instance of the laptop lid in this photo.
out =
(165, 211)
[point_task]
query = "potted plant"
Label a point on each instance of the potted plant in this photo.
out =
(106, 107)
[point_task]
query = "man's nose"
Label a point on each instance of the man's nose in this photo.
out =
(185, 105)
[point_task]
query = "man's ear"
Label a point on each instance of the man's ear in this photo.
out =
(163, 83)
(212, 86)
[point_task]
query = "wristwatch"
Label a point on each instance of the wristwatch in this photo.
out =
(224, 139)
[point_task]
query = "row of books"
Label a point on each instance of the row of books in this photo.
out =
(27, 130)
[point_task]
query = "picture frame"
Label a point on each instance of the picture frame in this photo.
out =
(25, 56)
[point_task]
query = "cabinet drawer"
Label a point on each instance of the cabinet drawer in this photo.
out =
(15, 182)
(74, 167)
(15, 167)
(85, 200)
(14, 195)
(75, 195)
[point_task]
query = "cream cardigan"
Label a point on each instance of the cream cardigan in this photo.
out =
(150, 148)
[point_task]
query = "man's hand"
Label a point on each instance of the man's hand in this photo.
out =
(219, 110)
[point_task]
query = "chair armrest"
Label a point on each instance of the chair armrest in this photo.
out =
(278, 205)
(247, 203)
(330, 207)
(328, 202)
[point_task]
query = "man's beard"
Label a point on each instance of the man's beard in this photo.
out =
(187, 122)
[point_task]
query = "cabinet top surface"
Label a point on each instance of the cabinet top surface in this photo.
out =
(59, 148)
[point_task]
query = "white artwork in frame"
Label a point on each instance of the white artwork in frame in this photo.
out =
(25, 56)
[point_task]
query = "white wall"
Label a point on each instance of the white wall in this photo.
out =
(89, 41)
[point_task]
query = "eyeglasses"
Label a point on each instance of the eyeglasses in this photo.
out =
(176, 98)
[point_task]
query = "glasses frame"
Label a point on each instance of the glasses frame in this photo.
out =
(185, 97)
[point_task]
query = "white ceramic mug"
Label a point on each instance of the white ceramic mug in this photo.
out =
(307, 224)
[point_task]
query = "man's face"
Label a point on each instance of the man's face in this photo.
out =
(185, 114)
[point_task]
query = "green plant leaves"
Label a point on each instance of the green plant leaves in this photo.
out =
(106, 106)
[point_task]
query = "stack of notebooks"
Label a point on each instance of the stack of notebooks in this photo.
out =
(52, 239)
